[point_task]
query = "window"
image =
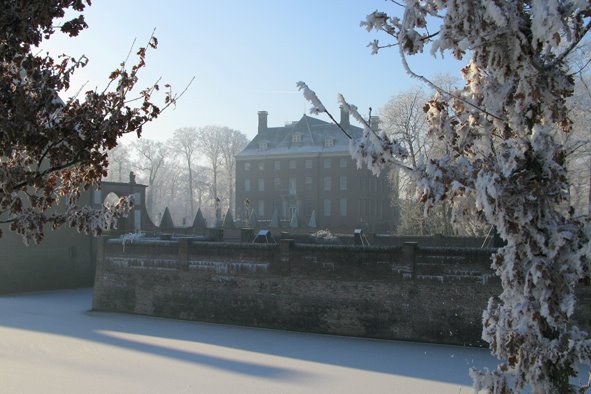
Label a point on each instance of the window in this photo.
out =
(327, 183)
(137, 220)
(327, 207)
(328, 142)
(292, 185)
(296, 137)
(292, 212)
(261, 185)
(343, 162)
(276, 184)
(247, 185)
(327, 163)
(342, 182)
(261, 208)
(263, 145)
(137, 199)
(247, 166)
(261, 165)
(308, 184)
(292, 164)
(343, 207)
(308, 208)
(308, 163)
(276, 165)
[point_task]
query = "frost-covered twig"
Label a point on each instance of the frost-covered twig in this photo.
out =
(372, 149)
(503, 157)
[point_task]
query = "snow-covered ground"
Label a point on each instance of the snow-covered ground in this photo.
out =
(51, 343)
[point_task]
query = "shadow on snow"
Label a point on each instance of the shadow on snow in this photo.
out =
(65, 313)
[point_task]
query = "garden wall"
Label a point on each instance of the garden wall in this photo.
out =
(405, 292)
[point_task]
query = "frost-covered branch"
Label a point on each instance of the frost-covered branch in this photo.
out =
(504, 162)
(372, 150)
(53, 149)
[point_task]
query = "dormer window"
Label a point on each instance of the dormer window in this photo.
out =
(329, 142)
(296, 137)
(263, 145)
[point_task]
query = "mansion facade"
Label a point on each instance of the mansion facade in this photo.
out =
(302, 175)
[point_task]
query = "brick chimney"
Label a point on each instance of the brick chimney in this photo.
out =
(344, 119)
(375, 123)
(262, 121)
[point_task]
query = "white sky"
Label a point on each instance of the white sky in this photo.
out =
(50, 343)
(246, 57)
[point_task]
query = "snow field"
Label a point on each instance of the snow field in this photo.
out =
(51, 343)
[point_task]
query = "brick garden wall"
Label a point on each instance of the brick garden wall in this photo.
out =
(403, 292)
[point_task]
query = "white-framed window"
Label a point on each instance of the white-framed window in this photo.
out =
(137, 199)
(276, 184)
(327, 207)
(343, 207)
(296, 137)
(342, 182)
(329, 142)
(261, 165)
(137, 220)
(98, 197)
(292, 185)
(261, 208)
(292, 212)
(263, 145)
(246, 166)
(308, 183)
(277, 165)
(327, 183)
(308, 163)
(247, 185)
(292, 164)
(327, 163)
(261, 183)
(343, 162)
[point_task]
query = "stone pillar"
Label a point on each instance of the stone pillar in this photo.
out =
(285, 246)
(246, 235)
(215, 234)
(409, 251)
(183, 257)
(98, 273)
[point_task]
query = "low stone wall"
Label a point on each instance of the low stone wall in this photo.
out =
(65, 259)
(404, 293)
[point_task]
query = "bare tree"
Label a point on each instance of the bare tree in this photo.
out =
(150, 160)
(210, 145)
(185, 141)
(403, 118)
(233, 141)
(119, 163)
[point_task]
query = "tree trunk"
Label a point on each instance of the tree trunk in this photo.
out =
(191, 191)
(231, 193)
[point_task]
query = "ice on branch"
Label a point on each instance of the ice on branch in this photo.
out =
(373, 150)
(503, 159)
(376, 20)
(310, 95)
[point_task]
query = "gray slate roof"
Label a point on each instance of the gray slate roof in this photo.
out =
(314, 133)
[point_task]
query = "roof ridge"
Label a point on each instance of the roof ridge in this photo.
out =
(309, 129)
